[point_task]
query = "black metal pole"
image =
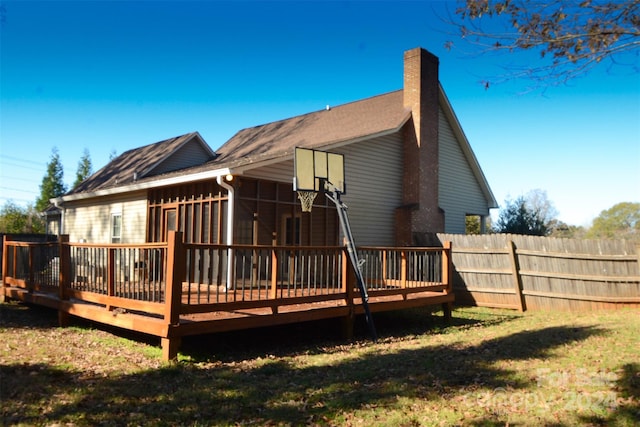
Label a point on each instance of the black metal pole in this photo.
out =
(353, 256)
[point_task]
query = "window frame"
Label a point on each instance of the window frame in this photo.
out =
(113, 227)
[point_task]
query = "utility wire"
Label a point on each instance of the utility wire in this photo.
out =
(17, 159)
(18, 189)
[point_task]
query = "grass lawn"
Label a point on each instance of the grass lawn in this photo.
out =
(486, 367)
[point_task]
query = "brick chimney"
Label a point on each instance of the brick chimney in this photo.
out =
(420, 180)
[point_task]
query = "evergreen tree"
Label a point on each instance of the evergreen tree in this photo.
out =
(52, 184)
(518, 218)
(85, 168)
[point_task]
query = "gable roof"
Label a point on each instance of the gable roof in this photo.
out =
(271, 142)
(149, 160)
(324, 128)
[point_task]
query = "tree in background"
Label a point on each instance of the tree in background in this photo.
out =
(622, 221)
(533, 214)
(516, 218)
(561, 229)
(571, 37)
(472, 224)
(52, 184)
(16, 219)
(85, 168)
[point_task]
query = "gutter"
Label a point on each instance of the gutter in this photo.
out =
(180, 179)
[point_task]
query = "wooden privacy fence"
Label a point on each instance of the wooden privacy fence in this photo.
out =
(531, 272)
(174, 289)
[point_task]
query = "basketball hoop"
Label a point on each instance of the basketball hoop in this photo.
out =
(306, 199)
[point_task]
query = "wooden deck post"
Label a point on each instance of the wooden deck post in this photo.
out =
(111, 274)
(385, 278)
(447, 276)
(30, 282)
(403, 269)
(173, 294)
(64, 277)
(5, 239)
(273, 291)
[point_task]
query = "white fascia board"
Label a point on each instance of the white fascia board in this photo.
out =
(146, 185)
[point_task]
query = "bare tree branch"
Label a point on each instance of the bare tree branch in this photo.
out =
(571, 37)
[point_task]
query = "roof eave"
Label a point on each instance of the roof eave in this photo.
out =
(253, 163)
(181, 179)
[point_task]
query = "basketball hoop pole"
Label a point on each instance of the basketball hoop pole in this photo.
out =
(320, 171)
(334, 196)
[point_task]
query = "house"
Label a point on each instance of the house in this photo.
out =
(410, 172)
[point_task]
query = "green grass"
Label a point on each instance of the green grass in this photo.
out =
(486, 367)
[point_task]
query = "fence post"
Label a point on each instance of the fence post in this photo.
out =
(517, 279)
(173, 294)
(64, 278)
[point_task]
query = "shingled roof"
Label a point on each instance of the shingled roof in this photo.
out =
(145, 162)
(326, 127)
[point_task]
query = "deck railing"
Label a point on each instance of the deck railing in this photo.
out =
(162, 282)
(215, 273)
(223, 273)
(134, 272)
(33, 265)
(402, 267)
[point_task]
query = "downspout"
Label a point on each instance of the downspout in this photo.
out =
(58, 204)
(230, 205)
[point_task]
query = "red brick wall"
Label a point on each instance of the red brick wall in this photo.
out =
(420, 180)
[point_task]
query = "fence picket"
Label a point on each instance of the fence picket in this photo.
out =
(552, 273)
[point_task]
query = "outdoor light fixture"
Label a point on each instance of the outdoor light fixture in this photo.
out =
(229, 177)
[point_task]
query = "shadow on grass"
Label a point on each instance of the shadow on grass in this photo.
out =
(317, 336)
(270, 390)
(627, 411)
(18, 315)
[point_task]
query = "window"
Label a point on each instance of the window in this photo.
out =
(116, 228)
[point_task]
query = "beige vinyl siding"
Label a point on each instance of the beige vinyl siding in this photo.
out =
(459, 191)
(373, 178)
(91, 221)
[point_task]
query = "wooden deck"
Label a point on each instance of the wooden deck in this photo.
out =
(174, 289)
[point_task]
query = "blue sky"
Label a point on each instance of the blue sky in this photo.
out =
(111, 76)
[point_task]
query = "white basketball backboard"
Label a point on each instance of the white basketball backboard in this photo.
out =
(318, 171)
